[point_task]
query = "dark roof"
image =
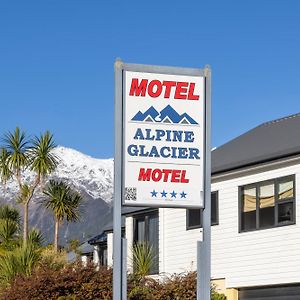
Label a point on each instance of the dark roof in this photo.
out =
(86, 248)
(100, 238)
(126, 210)
(269, 141)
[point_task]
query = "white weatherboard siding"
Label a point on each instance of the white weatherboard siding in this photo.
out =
(262, 257)
(129, 237)
(110, 249)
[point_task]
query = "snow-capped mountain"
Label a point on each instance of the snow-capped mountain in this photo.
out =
(92, 177)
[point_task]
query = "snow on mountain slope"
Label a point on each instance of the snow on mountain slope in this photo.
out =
(92, 177)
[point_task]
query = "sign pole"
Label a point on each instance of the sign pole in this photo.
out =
(124, 269)
(117, 214)
(204, 247)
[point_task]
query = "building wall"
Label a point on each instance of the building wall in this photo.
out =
(129, 237)
(110, 249)
(262, 257)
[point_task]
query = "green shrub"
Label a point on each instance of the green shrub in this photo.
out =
(72, 282)
(51, 259)
(142, 258)
(77, 282)
(20, 261)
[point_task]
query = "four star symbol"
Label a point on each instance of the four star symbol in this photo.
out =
(164, 194)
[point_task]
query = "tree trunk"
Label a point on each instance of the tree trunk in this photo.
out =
(26, 206)
(56, 235)
(25, 225)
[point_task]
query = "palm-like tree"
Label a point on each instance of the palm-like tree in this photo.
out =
(41, 159)
(64, 202)
(5, 172)
(9, 224)
(37, 156)
(16, 145)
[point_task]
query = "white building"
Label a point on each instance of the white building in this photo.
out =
(255, 218)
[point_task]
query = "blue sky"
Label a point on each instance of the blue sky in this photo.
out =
(57, 56)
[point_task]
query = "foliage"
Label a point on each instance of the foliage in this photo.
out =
(35, 238)
(175, 287)
(8, 230)
(5, 172)
(24, 193)
(52, 260)
(9, 227)
(78, 282)
(62, 200)
(68, 283)
(142, 258)
(41, 158)
(9, 212)
(73, 246)
(21, 261)
(16, 145)
(216, 296)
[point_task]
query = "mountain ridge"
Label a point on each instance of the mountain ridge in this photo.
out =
(92, 177)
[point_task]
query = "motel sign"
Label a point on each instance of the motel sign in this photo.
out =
(163, 133)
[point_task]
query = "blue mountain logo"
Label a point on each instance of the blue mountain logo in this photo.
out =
(168, 116)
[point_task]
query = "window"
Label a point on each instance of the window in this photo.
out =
(102, 252)
(267, 204)
(146, 230)
(194, 216)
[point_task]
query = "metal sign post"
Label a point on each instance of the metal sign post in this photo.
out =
(162, 150)
(117, 217)
(204, 247)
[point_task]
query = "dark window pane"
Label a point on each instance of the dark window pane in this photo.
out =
(153, 241)
(285, 212)
(103, 255)
(194, 216)
(286, 190)
(267, 205)
(214, 208)
(248, 208)
(140, 230)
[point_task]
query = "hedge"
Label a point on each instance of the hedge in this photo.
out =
(77, 282)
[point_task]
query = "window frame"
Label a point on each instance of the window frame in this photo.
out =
(103, 256)
(144, 216)
(257, 185)
(188, 227)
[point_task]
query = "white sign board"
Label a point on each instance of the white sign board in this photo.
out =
(163, 139)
